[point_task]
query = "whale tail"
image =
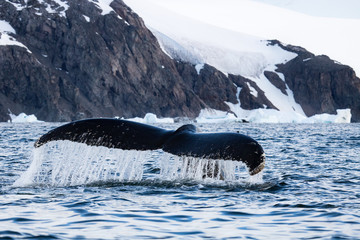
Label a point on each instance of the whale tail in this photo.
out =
(127, 135)
(111, 133)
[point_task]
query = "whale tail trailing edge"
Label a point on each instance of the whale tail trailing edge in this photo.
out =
(127, 135)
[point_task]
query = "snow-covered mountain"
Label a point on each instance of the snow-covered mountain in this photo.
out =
(232, 35)
(64, 60)
(326, 27)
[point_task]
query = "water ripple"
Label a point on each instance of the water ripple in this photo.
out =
(310, 190)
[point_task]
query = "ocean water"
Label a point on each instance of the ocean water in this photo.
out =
(309, 189)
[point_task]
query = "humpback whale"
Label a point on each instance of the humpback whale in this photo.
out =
(185, 141)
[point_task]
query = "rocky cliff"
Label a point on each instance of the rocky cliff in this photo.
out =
(77, 61)
(319, 84)
(85, 64)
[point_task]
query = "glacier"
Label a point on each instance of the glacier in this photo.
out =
(236, 44)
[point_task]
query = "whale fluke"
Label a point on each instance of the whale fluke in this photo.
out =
(111, 133)
(127, 135)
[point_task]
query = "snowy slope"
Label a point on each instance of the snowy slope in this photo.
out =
(327, 27)
(229, 51)
(231, 36)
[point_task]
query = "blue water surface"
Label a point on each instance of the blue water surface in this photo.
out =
(310, 190)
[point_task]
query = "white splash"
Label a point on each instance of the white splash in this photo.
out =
(184, 168)
(256, 179)
(65, 163)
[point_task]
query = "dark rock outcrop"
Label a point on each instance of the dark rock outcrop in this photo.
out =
(248, 100)
(212, 86)
(109, 66)
(276, 81)
(321, 85)
(215, 88)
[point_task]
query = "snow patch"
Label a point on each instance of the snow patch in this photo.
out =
(18, 6)
(55, 7)
(103, 5)
(119, 17)
(6, 27)
(86, 18)
(6, 39)
(199, 67)
(23, 118)
(252, 90)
